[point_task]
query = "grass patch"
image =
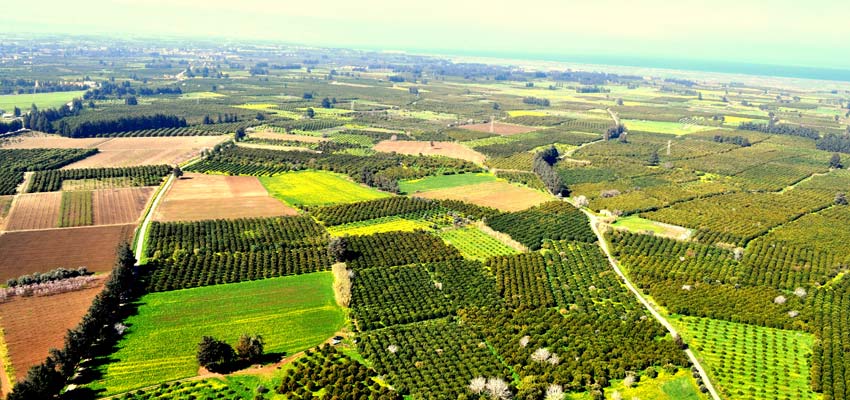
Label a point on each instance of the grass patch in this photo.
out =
(379, 225)
(42, 100)
(634, 223)
(291, 313)
(312, 188)
(673, 128)
(474, 244)
(443, 182)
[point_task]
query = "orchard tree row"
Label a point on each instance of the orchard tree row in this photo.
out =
(146, 175)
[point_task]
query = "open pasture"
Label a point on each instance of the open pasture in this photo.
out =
(42, 100)
(34, 211)
(475, 244)
(674, 128)
(197, 197)
(312, 188)
(499, 194)
(443, 182)
(447, 149)
(499, 128)
(386, 224)
(291, 313)
(33, 325)
(45, 250)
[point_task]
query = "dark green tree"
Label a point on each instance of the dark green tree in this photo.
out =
(654, 160)
(310, 113)
(250, 347)
(240, 134)
(326, 103)
(215, 355)
(835, 161)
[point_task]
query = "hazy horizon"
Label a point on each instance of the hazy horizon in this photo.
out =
(789, 33)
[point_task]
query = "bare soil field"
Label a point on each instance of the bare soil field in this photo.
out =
(448, 149)
(500, 195)
(44, 250)
(500, 128)
(34, 211)
(38, 140)
(5, 205)
(285, 136)
(95, 184)
(120, 206)
(34, 325)
(197, 197)
(122, 152)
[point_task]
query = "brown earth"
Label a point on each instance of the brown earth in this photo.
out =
(34, 325)
(44, 250)
(120, 152)
(5, 205)
(286, 136)
(197, 197)
(500, 128)
(448, 149)
(34, 211)
(120, 206)
(500, 195)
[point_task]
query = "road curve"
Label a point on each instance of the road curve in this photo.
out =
(143, 228)
(594, 224)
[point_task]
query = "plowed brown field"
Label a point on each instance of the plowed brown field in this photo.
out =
(121, 152)
(44, 250)
(120, 206)
(34, 325)
(197, 197)
(500, 195)
(34, 211)
(447, 149)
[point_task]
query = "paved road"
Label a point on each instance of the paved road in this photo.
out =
(143, 229)
(594, 224)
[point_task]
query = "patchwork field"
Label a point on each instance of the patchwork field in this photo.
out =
(500, 195)
(448, 149)
(51, 316)
(500, 128)
(197, 197)
(291, 313)
(44, 250)
(311, 188)
(34, 211)
(120, 206)
(443, 182)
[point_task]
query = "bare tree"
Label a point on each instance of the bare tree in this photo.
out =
(540, 355)
(477, 385)
(498, 389)
(554, 392)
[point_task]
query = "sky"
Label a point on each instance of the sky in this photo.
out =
(782, 32)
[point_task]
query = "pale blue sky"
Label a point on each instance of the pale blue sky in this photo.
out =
(787, 32)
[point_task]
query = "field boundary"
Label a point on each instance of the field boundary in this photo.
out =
(6, 370)
(142, 230)
(504, 238)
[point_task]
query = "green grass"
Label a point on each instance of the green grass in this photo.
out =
(751, 362)
(291, 313)
(42, 100)
(678, 386)
(443, 181)
(637, 224)
(313, 188)
(474, 244)
(379, 225)
(674, 128)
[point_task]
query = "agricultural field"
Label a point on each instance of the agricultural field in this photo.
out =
(673, 128)
(446, 149)
(379, 225)
(162, 344)
(43, 250)
(196, 197)
(53, 315)
(313, 188)
(500, 195)
(34, 211)
(475, 244)
(443, 181)
(124, 152)
(637, 224)
(76, 209)
(499, 128)
(42, 100)
(120, 206)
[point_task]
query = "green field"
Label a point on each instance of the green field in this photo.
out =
(379, 225)
(42, 100)
(637, 224)
(673, 128)
(291, 313)
(751, 362)
(474, 244)
(443, 181)
(312, 188)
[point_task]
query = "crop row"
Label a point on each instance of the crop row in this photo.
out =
(14, 162)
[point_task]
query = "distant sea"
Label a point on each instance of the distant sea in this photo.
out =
(830, 74)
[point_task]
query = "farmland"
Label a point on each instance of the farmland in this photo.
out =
(613, 218)
(311, 188)
(55, 99)
(43, 250)
(169, 325)
(196, 197)
(500, 195)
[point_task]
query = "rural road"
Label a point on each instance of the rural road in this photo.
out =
(613, 116)
(594, 224)
(143, 229)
